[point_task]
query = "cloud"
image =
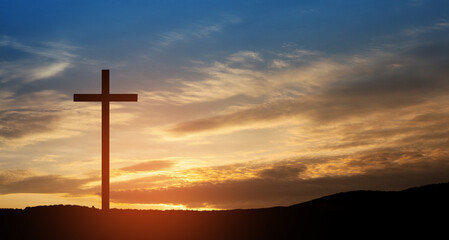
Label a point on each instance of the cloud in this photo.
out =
(252, 193)
(205, 31)
(24, 115)
(439, 26)
(171, 37)
(41, 62)
(13, 175)
(240, 75)
(195, 32)
(52, 50)
(244, 56)
(403, 128)
(47, 71)
(155, 181)
(29, 71)
(282, 172)
(292, 181)
(376, 84)
(286, 182)
(41, 116)
(19, 124)
(234, 120)
(279, 64)
(149, 166)
(21, 181)
(299, 53)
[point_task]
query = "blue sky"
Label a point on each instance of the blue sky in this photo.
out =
(233, 95)
(119, 29)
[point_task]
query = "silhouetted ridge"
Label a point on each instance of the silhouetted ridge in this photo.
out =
(419, 212)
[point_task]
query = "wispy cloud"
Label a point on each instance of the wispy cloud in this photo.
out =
(20, 181)
(171, 37)
(206, 31)
(240, 74)
(195, 32)
(52, 50)
(19, 124)
(244, 57)
(28, 71)
(40, 116)
(47, 71)
(439, 26)
(43, 62)
(277, 63)
(351, 88)
(149, 166)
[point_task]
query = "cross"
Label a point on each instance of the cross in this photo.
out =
(105, 97)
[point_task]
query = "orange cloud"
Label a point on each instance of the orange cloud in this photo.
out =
(259, 192)
(17, 182)
(149, 166)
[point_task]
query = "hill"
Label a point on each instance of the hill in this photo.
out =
(416, 212)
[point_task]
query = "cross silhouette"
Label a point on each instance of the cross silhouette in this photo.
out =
(105, 97)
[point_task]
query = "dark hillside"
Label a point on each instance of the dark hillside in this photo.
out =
(418, 212)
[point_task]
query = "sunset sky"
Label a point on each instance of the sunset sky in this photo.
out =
(242, 104)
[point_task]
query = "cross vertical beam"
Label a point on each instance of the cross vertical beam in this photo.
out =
(105, 141)
(105, 97)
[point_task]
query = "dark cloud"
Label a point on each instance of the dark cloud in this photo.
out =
(144, 182)
(149, 166)
(25, 114)
(426, 130)
(397, 81)
(12, 182)
(282, 172)
(260, 113)
(21, 123)
(13, 175)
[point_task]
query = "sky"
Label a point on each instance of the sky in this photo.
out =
(242, 104)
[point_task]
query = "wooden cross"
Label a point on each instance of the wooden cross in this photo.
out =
(105, 97)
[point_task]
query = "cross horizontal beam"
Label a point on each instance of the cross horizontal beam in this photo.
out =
(105, 97)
